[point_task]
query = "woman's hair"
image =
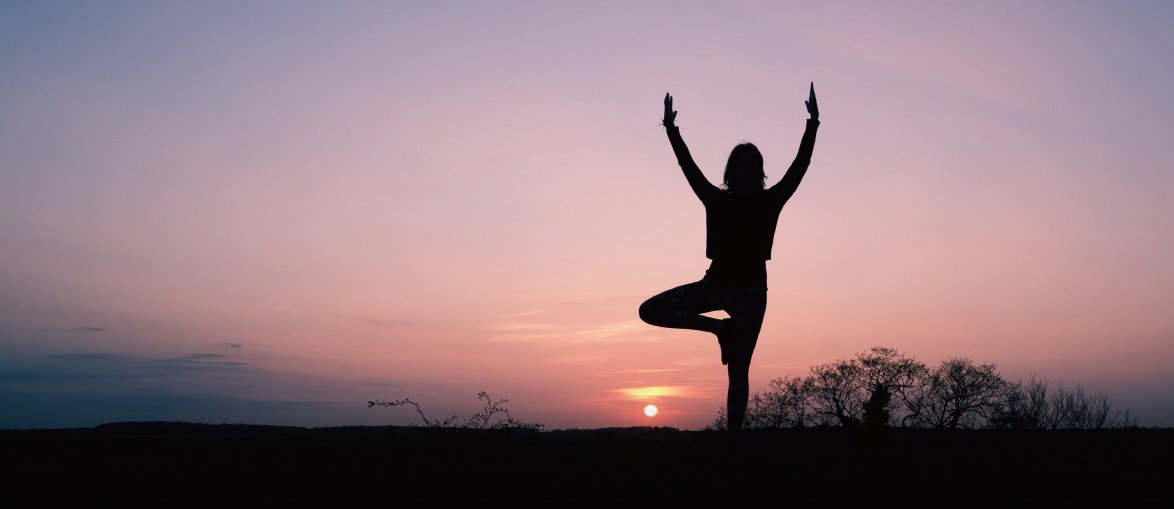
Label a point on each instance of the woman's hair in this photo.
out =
(745, 155)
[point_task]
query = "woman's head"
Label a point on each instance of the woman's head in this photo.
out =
(744, 170)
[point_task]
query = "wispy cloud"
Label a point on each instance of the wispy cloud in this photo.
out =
(78, 328)
(516, 326)
(647, 371)
(626, 330)
(204, 359)
(89, 356)
(106, 366)
(390, 323)
(785, 367)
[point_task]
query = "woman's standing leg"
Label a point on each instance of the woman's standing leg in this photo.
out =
(747, 307)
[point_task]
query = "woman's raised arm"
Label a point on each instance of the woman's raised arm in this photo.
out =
(790, 181)
(701, 186)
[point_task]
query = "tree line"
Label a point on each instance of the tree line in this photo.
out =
(884, 388)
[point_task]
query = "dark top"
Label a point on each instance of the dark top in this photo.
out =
(740, 227)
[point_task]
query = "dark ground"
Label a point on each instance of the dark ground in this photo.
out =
(182, 464)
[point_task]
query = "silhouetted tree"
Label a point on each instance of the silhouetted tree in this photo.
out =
(786, 404)
(1031, 405)
(882, 387)
(1025, 406)
(961, 394)
(838, 392)
(888, 372)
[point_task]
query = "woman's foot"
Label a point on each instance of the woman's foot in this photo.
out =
(725, 338)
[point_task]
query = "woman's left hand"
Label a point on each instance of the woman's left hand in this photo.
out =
(670, 116)
(812, 108)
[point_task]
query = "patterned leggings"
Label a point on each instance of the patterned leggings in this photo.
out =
(681, 308)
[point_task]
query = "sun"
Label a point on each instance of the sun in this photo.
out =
(650, 410)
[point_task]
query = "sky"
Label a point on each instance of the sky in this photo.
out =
(273, 212)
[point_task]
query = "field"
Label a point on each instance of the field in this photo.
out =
(185, 464)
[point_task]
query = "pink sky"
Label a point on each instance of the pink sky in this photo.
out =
(275, 212)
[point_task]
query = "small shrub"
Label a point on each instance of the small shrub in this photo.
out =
(494, 415)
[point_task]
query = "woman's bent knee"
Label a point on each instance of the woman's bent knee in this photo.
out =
(649, 311)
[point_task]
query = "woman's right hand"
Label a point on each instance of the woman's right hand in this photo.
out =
(670, 116)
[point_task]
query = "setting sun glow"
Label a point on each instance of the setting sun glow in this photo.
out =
(650, 410)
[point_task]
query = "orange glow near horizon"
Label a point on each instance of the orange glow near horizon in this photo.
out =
(645, 393)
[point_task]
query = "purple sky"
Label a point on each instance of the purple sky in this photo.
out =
(272, 212)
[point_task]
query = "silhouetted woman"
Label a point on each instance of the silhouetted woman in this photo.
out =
(740, 220)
